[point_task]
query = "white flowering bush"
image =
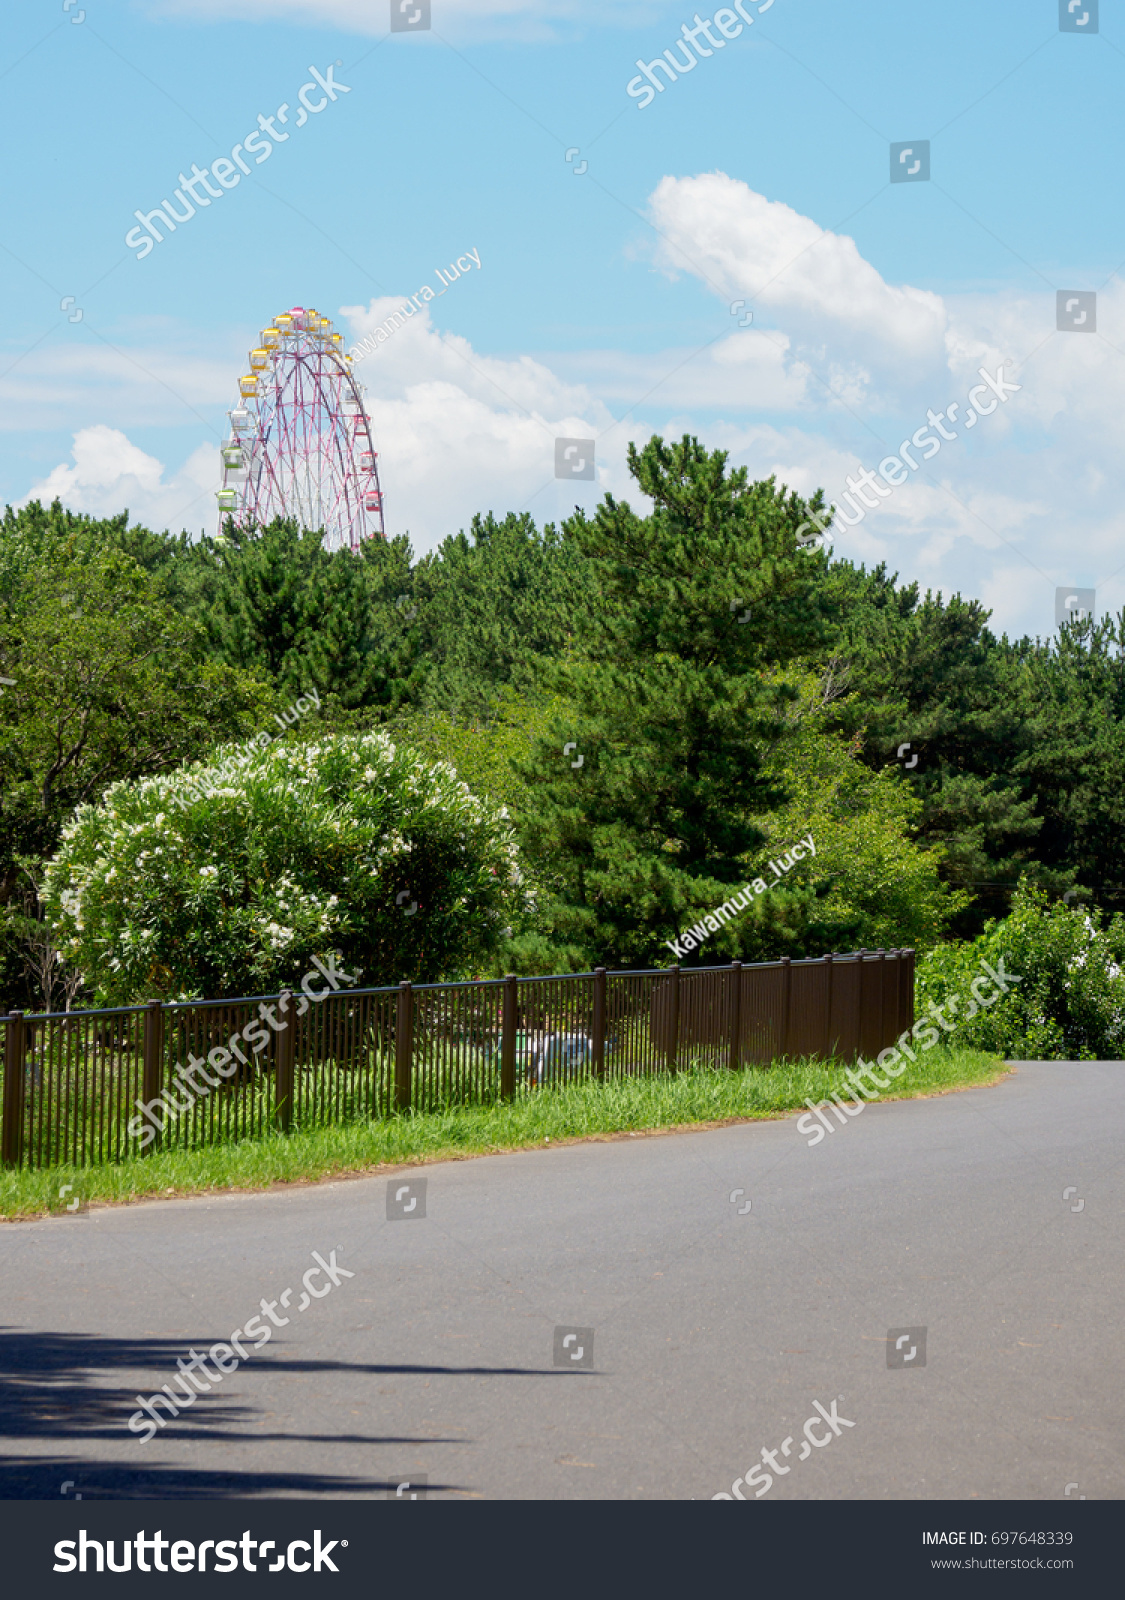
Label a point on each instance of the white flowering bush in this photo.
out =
(1070, 1002)
(224, 880)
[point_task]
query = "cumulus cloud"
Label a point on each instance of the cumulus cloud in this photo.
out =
(460, 432)
(107, 473)
(816, 283)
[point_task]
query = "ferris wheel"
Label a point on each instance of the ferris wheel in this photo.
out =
(300, 444)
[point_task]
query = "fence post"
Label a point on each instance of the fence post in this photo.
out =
(786, 991)
(736, 1016)
(11, 1133)
(674, 1017)
(286, 1059)
(152, 1072)
(598, 1037)
(404, 1045)
(828, 1011)
(904, 1019)
(508, 1038)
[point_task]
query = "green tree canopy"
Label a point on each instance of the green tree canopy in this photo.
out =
(110, 682)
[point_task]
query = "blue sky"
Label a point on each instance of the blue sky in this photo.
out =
(601, 306)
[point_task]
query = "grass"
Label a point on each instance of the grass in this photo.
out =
(579, 1111)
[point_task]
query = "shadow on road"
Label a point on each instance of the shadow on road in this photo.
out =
(42, 1478)
(53, 1387)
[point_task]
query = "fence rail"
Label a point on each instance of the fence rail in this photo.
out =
(89, 1087)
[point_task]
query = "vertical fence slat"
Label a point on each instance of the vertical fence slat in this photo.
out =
(11, 1135)
(509, 1018)
(786, 997)
(735, 1015)
(153, 1062)
(286, 1060)
(905, 992)
(404, 1046)
(674, 1018)
(597, 1026)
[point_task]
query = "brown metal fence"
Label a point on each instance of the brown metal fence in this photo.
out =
(76, 1085)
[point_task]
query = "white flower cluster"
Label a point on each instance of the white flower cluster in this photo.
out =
(129, 887)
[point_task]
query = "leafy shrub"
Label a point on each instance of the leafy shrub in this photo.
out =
(1070, 1002)
(227, 879)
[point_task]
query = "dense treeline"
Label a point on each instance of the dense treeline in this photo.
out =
(719, 690)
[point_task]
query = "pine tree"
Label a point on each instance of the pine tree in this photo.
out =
(645, 794)
(930, 680)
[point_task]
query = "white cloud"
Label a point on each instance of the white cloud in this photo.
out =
(832, 302)
(417, 351)
(108, 473)
(459, 432)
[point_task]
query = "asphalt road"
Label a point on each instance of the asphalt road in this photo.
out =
(716, 1328)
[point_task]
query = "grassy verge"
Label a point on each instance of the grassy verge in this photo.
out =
(580, 1111)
